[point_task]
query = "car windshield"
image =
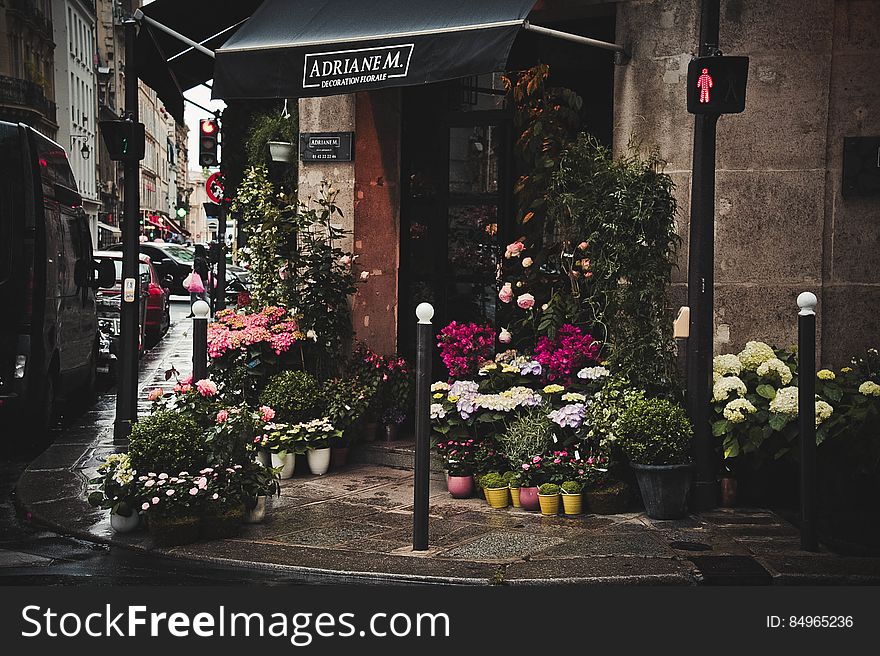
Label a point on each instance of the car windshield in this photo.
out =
(179, 253)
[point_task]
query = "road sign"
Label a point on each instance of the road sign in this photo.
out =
(717, 85)
(214, 187)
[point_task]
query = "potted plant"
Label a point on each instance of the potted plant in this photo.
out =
(272, 134)
(497, 492)
(222, 509)
(572, 500)
(512, 479)
(281, 443)
(458, 459)
(117, 492)
(528, 491)
(172, 505)
(655, 434)
(257, 484)
(344, 401)
(317, 434)
(548, 497)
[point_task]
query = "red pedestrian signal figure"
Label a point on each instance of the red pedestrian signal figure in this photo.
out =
(704, 83)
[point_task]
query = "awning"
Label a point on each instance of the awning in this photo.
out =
(109, 228)
(327, 47)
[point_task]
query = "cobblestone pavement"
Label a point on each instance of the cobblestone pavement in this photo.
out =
(354, 525)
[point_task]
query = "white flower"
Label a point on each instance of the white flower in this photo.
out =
(439, 386)
(775, 369)
(593, 373)
(437, 411)
(735, 412)
(755, 354)
(869, 388)
(726, 364)
(574, 396)
(823, 411)
(312, 335)
(785, 402)
(722, 389)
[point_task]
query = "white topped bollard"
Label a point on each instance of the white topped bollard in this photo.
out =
(422, 474)
(807, 302)
(201, 311)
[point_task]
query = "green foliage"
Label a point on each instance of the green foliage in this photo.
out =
(655, 432)
(294, 395)
(548, 489)
(603, 414)
(492, 481)
(345, 400)
(115, 487)
(166, 441)
(528, 434)
(572, 487)
(512, 478)
(273, 126)
(255, 480)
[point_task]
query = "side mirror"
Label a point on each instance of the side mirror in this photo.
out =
(106, 274)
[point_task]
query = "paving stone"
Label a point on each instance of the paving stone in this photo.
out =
(502, 545)
(609, 545)
(620, 570)
(328, 536)
(20, 559)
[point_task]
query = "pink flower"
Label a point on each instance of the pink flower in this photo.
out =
(514, 249)
(536, 459)
(169, 493)
(154, 500)
(156, 394)
(583, 245)
(506, 293)
(183, 389)
(145, 506)
(207, 388)
(504, 336)
(222, 416)
(186, 380)
(526, 466)
(267, 413)
(526, 301)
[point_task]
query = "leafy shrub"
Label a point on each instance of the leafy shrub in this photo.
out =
(345, 400)
(512, 478)
(294, 395)
(655, 432)
(572, 487)
(166, 442)
(492, 481)
(548, 489)
(528, 434)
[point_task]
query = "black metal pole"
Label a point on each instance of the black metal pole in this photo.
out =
(701, 283)
(220, 291)
(200, 310)
(126, 393)
(422, 475)
(807, 418)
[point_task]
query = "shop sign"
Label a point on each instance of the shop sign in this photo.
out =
(326, 146)
(344, 68)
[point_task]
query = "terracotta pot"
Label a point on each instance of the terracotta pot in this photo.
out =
(728, 492)
(572, 503)
(391, 431)
(122, 524)
(514, 497)
(257, 514)
(549, 504)
(319, 460)
(287, 464)
(222, 523)
(460, 487)
(528, 498)
(498, 497)
(338, 456)
(173, 531)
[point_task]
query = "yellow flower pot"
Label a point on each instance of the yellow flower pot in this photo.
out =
(498, 497)
(514, 497)
(549, 504)
(572, 503)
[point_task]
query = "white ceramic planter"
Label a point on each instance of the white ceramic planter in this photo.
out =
(282, 151)
(122, 524)
(264, 457)
(256, 514)
(287, 464)
(319, 460)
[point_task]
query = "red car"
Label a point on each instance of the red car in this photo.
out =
(158, 318)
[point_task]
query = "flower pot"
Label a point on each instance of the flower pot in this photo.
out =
(514, 497)
(611, 500)
(173, 530)
(286, 462)
(498, 497)
(257, 513)
(572, 503)
(264, 457)
(391, 431)
(528, 498)
(728, 492)
(664, 489)
(549, 504)
(122, 524)
(221, 523)
(460, 487)
(282, 151)
(319, 460)
(338, 456)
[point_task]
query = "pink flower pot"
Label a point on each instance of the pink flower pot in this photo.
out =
(460, 487)
(528, 498)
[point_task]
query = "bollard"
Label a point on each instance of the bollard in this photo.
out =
(200, 310)
(422, 474)
(807, 417)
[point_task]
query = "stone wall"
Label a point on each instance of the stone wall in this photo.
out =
(781, 224)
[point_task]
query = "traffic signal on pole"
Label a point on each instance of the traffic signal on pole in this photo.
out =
(209, 131)
(125, 140)
(717, 85)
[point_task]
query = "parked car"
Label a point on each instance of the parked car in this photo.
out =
(48, 277)
(108, 304)
(158, 319)
(171, 260)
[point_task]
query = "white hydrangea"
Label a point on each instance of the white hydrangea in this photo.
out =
(823, 411)
(754, 355)
(593, 373)
(508, 400)
(722, 389)
(775, 369)
(437, 411)
(440, 386)
(786, 401)
(574, 397)
(726, 364)
(715, 377)
(464, 388)
(735, 412)
(869, 388)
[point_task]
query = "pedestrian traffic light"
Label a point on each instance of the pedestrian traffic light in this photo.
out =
(209, 130)
(124, 140)
(717, 85)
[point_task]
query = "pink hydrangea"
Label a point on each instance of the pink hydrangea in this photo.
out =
(207, 388)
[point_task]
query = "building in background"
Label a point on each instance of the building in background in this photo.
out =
(76, 89)
(198, 221)
(27, 72)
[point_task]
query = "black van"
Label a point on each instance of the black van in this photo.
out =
(48, 329)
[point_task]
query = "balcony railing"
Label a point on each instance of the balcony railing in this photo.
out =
(26, 95)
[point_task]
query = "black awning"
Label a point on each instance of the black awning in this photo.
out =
(291, 49)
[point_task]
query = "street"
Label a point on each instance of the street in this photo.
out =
(32, 555)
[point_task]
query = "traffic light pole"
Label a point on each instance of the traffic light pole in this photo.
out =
(220, 292)
(701, 281)
(126, 383)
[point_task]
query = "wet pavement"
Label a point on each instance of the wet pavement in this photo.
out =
(355, 525)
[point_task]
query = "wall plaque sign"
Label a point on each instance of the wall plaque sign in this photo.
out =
(326, 146)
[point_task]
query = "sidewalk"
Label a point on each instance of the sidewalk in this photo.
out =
(355, 526)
